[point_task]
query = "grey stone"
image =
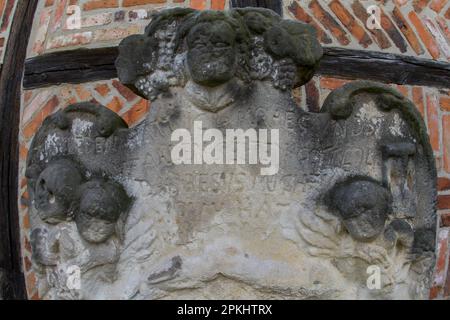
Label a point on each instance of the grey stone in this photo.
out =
(56, 190)
(354, 187)
(363, 205)
(101, 205)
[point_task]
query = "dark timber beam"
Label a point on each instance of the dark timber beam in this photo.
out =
(13, 285)
(84, 65)
(275, 5)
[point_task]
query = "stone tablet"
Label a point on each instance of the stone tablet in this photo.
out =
(228, 190)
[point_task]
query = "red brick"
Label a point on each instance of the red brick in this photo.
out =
(441, 259)
(217, 4)
(443, 202)
(446, 142)
(447, 282)
(23, 152)
(27, 263)
(417, 95)
(74, 39)
(444, 28)
(102, 89)
(445, 219)
(131, 3)
(115, 105)
(437, 5)
(407, 31)
(30, 129)
(350, 23)
(327, 20)
(2, 6)
(377, 35)
(438, 36)
(438, 160)
(49, 107)
(312, 96)
(7, 14)
(444, 102)
(36, 106)
(27, 244)
(198, 4)
(427, 39)
(31, 283)
(404, 90)
(443, 184)
(26, 222)
(433, 121)
(59, 13)
(137, 112)
(82, 93)
(42, 31)
(100, 4)
(27, 95)
(35, 296)
(420, 4)
(332, 83)
(434, 292)
(124, 91)
(23, 183)
(301, 15)
(391, 30)
(401, 2)
(115, 34)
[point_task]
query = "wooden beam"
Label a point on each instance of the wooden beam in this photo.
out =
(75, 66)
(275, 5)
(384, 67)
(13, 285)
(84, 65)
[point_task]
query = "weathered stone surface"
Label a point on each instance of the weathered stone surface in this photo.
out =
(310, 205)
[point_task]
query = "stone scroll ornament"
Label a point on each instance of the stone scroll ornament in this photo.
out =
(338, 204)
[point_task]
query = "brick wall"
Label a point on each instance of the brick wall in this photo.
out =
(7, 8)
(414, 27)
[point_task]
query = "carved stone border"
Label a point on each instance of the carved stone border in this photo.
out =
(13, 285)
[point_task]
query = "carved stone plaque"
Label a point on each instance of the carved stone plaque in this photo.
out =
(228, 189)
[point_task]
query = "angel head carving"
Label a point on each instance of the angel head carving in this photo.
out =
(363, 206)
(56, 190)
(211, 48)
(101, 205)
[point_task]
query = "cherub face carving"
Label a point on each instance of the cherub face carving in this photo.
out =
(363, 205)
(211, 56)
(101, 205)
(55, 191)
